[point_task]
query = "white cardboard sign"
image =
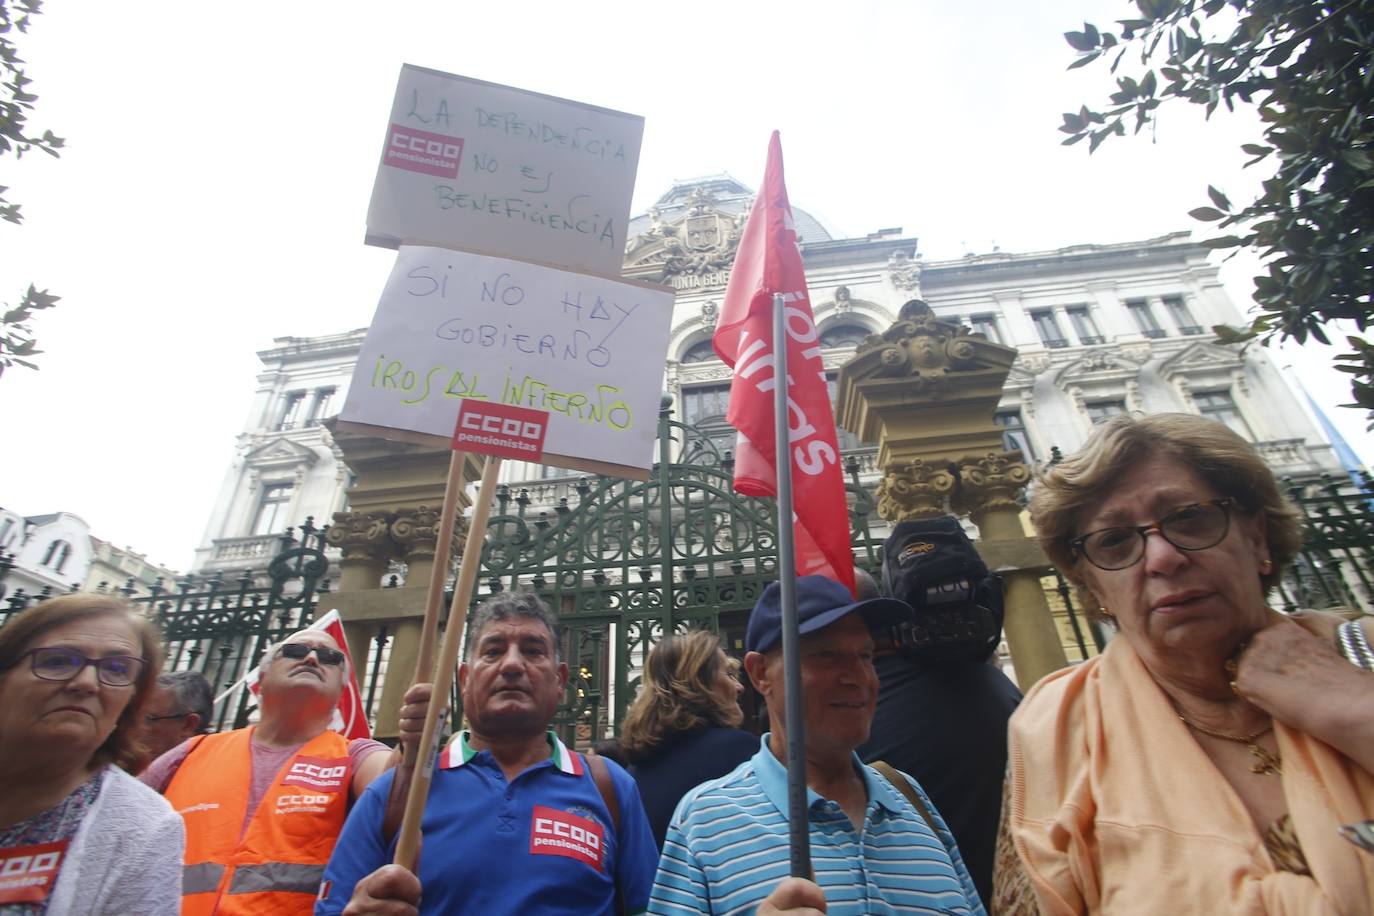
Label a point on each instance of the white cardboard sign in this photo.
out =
(586, 352)
(498, 170)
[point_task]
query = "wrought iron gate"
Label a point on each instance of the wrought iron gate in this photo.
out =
(625, 562)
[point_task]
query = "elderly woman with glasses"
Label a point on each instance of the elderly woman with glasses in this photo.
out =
(1216, 756)
(78, 834)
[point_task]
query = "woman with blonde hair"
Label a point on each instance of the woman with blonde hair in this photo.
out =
(682, 729)
(1217, 756)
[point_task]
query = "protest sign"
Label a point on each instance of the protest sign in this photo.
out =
(561, 367)
(498, 170)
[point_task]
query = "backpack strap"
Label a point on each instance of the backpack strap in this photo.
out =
(900, 783)
(601, 775)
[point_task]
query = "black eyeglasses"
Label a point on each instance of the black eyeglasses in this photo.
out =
(1196, 526)
(54, 663)
(170, 715)
(299, 650)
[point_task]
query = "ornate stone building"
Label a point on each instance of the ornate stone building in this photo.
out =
(1098, 330)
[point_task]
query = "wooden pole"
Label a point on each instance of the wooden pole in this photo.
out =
(429, 635)
(408, 843)
(443, 545)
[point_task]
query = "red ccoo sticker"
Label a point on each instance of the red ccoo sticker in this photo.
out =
(27, 873)
(562, 833)
(500, 429)
(422, 151)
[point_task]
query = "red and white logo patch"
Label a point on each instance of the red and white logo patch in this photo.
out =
(500, 429)
(421, 151)
(559, 833)
(27, 873)
(323, 774)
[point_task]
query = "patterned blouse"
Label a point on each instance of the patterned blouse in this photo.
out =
(60, 822)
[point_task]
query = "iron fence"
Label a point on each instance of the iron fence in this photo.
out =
(625, 562)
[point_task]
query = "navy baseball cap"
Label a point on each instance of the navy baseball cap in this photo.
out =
(820, 602)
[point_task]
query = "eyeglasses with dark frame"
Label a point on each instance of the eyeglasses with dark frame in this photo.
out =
(170, 715)
(1196, 526)
(55, 663)
(299, 650)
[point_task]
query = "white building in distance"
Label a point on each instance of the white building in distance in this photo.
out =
(51, 552)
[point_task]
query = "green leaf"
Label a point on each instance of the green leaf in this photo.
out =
(1358, 158)
(1207, 214)
(1082, 41)
(1224, 241)
(1218, 198)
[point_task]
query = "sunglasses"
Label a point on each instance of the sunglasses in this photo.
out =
(57, 664)
(299, 650)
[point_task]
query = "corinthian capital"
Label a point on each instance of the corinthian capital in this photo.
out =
(914, 490)
(417, 533)
(992, 481)
(362, 535)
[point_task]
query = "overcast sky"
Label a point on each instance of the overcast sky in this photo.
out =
(221, 156)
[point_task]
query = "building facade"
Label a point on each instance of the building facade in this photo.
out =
(1099, 329)
(49, 552)
(125, 570)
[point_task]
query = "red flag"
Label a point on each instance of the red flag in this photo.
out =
(769, 262)
(349, 718)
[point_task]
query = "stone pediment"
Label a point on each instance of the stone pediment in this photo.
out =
(281, 453)
(1098, 366)
(1019, 376)
(1201, 356)
(690, 249)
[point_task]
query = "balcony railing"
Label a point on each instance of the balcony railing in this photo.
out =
(1286, 455)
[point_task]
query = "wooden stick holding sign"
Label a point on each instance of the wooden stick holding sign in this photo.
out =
(408, 843)
(429, 635)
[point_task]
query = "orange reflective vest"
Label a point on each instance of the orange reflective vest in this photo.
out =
(276, 867)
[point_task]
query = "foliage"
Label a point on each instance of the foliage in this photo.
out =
(1307, 67)
(16, 338)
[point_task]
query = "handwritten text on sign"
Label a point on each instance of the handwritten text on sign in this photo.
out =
(503, 171)
(587, 350)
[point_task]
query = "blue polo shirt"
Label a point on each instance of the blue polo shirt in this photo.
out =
(541, 843)
(727, 849)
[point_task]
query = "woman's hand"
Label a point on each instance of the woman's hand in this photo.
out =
(1292, 670)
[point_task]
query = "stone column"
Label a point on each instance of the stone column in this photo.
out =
(989, 486)
(363, 539)
(926, 392)
(394, 497)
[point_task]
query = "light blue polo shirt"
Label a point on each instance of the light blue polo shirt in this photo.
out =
(727, 849)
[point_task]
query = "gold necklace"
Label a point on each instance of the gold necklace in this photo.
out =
(1266, 763)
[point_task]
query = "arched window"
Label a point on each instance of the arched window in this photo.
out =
(57, 554)
(844, 335)
(700, 352)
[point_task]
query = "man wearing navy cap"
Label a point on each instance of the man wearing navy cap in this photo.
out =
(871, 851)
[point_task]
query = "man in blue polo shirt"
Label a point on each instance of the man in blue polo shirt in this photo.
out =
(871, 851)
(515, 822)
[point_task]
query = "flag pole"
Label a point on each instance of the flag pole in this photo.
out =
(799, 839)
